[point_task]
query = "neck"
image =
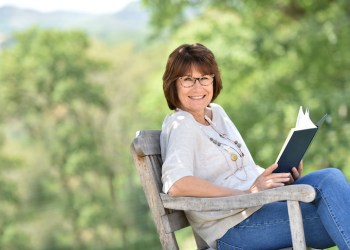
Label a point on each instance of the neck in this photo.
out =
(199, 117)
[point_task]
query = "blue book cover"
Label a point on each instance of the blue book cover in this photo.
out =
(297, 142)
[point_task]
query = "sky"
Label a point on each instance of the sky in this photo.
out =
(87, 6)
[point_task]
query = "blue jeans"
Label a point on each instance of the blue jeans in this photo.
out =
(326, 220)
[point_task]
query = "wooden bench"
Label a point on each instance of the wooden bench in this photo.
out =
(167, 211)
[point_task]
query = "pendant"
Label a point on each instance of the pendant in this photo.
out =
(238, 144)
(234, 157)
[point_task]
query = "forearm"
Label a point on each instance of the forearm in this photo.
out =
(196, 187)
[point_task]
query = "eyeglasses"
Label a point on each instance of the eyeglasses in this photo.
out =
(189, 81)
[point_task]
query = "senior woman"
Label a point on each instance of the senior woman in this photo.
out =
(204, 155)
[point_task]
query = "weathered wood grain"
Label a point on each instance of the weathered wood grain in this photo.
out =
(167, 211)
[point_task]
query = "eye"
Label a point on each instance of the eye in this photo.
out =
(204, 78)
(187, 79)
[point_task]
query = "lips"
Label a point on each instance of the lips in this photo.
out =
(199, 97)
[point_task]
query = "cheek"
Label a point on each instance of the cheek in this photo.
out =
(178, 90)
(180, 93)
(182, 96)
(211, 93)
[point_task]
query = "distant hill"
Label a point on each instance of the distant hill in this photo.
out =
(129, 23)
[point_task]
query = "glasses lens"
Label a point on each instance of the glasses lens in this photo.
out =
(188, 81)
(206, 80)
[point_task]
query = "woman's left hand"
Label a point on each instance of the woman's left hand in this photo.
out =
(296, 173)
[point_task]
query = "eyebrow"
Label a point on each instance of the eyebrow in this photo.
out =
(192, 76)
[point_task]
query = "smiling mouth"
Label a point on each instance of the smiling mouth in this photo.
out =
(197, 97)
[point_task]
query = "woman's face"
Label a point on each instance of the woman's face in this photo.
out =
(194, 99)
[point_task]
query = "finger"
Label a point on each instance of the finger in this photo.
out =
(279, 180)
(292, 179)
(280, 175)
(300, 167)
(276, 182)
(270, 169)
(295, 173)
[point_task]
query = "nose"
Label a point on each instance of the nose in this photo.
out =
(197, 80)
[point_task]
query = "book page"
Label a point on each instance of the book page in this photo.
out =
(303, 120)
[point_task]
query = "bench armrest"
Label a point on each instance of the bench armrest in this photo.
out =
(302, 192)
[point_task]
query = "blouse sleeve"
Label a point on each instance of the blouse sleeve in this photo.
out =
(178, 146)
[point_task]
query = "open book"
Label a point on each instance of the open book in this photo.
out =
(297, 142)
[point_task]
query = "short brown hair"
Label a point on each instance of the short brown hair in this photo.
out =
(180, 61)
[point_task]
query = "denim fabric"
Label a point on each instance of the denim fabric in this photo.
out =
(326, 220)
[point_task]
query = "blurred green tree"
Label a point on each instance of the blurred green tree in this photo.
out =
(70, 112)
(62, 110)
(45, 88)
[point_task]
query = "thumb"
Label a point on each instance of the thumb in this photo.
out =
(270, 169)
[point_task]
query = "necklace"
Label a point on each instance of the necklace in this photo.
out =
(234, 150)
(229, 149)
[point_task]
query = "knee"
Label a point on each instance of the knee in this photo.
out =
(332, 175)
(330, 172)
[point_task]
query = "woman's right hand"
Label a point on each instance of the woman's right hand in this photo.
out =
(268, 180)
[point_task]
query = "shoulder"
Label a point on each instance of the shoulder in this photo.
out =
(179, 131)
(218, 110)
(180, 122)
(221, 117)
(179, 118)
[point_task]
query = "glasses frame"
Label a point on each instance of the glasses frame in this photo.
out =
(196, 79)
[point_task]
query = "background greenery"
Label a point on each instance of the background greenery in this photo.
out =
(71, 104)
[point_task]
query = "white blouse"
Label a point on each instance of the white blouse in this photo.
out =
(188, 149)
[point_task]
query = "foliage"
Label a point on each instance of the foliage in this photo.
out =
(71, 106)
(62, 115)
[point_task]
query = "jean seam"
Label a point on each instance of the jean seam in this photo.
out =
(270, 223)
(340, 230)
(221, 243)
